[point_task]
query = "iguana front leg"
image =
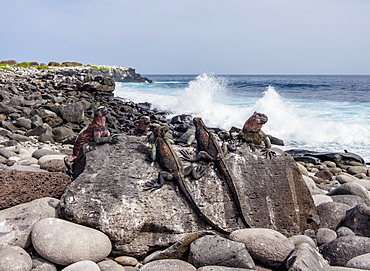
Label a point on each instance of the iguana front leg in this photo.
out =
(158, 183)
(104, 137)
(267, 151)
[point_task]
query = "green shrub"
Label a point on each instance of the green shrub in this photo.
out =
(23, 65)
(42, 68)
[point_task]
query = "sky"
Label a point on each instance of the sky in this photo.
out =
(192, 36)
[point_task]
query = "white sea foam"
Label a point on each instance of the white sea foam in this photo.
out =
(328, 126)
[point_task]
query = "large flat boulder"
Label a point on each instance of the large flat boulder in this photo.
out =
(109, 195)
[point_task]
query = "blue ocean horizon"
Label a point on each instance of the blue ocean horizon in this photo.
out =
(313, 112)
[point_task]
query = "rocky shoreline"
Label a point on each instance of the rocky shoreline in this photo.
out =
(42, 226)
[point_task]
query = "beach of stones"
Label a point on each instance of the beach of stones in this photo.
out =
(41, 113)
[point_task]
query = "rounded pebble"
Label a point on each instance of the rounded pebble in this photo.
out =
(64, 243)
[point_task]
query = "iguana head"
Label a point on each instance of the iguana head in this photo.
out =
(159, 131)
(259, 118)
(101, 110)
(100, 115)
(255, 122)
(197, 121)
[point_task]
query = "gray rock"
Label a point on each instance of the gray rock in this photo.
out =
(318, 199)
(36, 121)
(64, 243)
(305, 258)
(344, 231)
(350, 200)
(216, 250)
(352, 188)
(360, 262)
(16, 222)
(284, 202)
(54, 165)
(44, 113)
(308, 181)
(357, 169)
(343, 249)
(266, 246)
(358, 220)
(140, 219)
(40, 264)
(332, 214)
(170, 264)
(7, 153)
(73, 112)
(82, 266)
(110, 265)
(324, 175)
(61, 133)
(345, 178)
(13, 258)
(303, 170)
(8, 125)
(44, 133)
(365, 183)
(42, 152)
(19, 138)
(223, 268)
(26, 168)
(4, 132)
(23, 122)
(6, 109)
(299, 239)
(325, 235)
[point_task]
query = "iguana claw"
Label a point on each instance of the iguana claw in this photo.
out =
(199, 172)
(152, 185)
(268, 153)
(187, 155)
(113, 139)
(254, 147)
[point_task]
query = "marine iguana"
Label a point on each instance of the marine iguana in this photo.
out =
(173, 170)
(208, 149)
(142, 126)
(95, 132)
(254, 136)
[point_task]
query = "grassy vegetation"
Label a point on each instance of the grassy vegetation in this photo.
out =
(95, 68)
(8, 64)
(23, 65)
(3, 67)
(43, 67)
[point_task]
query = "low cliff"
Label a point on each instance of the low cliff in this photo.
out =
(117, 73)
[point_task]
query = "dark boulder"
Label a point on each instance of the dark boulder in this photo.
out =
(109, 195)
(343, 249)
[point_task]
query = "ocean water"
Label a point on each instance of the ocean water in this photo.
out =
(319, 113)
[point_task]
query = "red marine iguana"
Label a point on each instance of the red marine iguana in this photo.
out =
(173, 170)
(208, 149)
(95, 132)
(254, 136)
